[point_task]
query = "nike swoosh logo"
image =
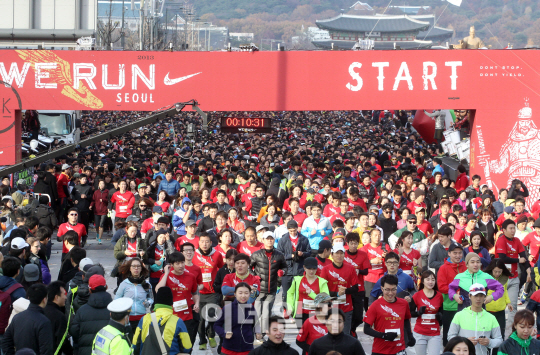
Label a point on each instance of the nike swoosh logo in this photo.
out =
(168, 81)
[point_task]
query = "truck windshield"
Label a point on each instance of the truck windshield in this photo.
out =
(56, 123)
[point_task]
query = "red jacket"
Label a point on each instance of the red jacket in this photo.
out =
(99, 203)
(462, 182)
(447, 273)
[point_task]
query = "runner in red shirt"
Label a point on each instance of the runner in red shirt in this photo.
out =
(188, 250)
(533, 241)
(190, 236)
(332, 207)
(360, 261)
(241, 265)
(325, 249)
(210, 262)
(184, 289)
(408, 257)
(72, 225)
(388, 320)
(428, 303)
(342, 282)
(250, 245)
(315, 327)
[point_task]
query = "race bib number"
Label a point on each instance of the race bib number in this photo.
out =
(309, 304)
(340, 300)
(408, 272)
(207, 277)
(123, 208)
(428, 318)
(180, 306)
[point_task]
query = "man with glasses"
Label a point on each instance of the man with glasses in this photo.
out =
(387, 222)
(72, 225)
(388, 320)
(520, 208)
(405, 286)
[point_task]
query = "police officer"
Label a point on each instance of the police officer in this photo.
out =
(113, 339)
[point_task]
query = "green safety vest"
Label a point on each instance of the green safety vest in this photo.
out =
(109, 341)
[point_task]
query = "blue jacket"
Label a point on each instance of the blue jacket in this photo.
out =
(310, 225)
(295, 266)
(6, 282)
(405, 287)
(170, 187)
(244, 332)
(485, 258)
(178, 218)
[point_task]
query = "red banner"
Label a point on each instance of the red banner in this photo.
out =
(260, 81)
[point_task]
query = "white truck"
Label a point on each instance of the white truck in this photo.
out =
(64, 125)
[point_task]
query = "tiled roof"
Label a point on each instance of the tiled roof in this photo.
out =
(352, 23)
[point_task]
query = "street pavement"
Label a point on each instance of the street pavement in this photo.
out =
(103, 254)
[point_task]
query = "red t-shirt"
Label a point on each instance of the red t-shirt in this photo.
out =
(184, 239)
(62, 180)
(232, 280)
(311, 331)
(182, 287)
(209, 267)
(158, 254)
(303, 295)
(359, 261)
(330, 210)
(64, 227)
(427, 324)
(321, 265)
(511, 248)
(387, 317)
(195, 271)
(425, 227)
(344, 276)
(358, 202)
(375, 271)
(244, 248)
(533, 240)
(406, 260)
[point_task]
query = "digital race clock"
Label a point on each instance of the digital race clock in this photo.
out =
(246, 125)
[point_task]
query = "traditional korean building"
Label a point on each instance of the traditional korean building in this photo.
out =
(387, 31)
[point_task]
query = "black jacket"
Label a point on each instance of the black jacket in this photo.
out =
(295, 265)
(205, 225)
(29, 329)
(83, 204)
(267, 269)
(89, 320)
(67, 270)
(270, 348)
(389, 226)
(59, 325)
(46, 217)
(342, 343)
(257, 204)
(220, 276)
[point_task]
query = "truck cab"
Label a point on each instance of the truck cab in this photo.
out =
(63, 125)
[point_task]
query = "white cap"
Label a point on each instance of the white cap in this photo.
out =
(120, 305)
(338, 247)
(18, 243)
(85, 262)
(476, 289)
(267, 235)
(65, 166)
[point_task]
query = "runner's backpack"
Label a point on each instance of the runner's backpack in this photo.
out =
(6, 307)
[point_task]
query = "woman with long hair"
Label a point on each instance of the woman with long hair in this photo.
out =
(136, 287)
(480, 246)
(205, 196)
(427, 330)
(235, 222)
(403, 213)
(158, 254)
(408, 257)
(271, 219)
(497, 269)
(129, 246)
(270, 199)
(164, 200)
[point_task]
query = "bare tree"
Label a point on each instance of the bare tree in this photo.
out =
(108, 31)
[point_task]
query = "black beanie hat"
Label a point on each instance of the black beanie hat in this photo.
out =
(164, 296)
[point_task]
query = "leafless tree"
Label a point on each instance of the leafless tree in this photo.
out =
(108, 30)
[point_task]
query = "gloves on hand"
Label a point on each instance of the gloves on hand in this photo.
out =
(390, 336)
(411, 342)
(280, 273)
(422, 310)
(438, 317)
